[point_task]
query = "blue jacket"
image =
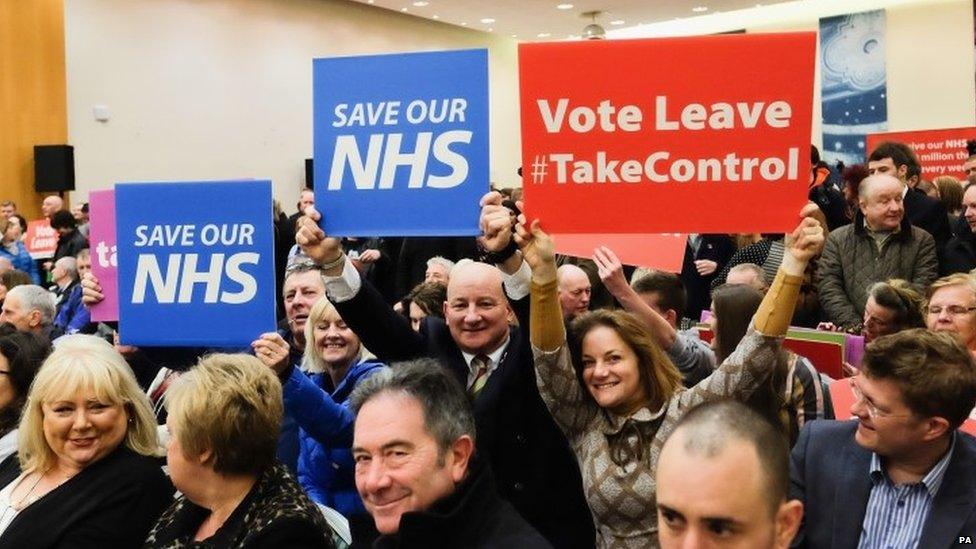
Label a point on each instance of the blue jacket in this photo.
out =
(73, 315)
(22, 261)
(325, 466)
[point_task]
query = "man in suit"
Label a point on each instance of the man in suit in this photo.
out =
(923, 211)
(530, 458)
(901, 475)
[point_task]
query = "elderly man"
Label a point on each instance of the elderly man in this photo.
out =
(901, 475)
(951, 307)
(50, 205)
(749, 274)
(439, 270)
(72, 316)
(416, 469)
(65, 277)
(574, 290)
(29, 309)
(922, 211)
(722, 481)
(879, 245)
(528, 455)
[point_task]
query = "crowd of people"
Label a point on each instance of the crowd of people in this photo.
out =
(488, 392)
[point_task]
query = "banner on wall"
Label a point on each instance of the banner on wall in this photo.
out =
(196, 268)
(401, 143)
(666, 148)
(940, 152)
(853, 83)
(664, 252)
(41, 240)
(104, 256)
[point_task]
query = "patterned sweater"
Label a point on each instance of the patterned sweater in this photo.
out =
(618, 455)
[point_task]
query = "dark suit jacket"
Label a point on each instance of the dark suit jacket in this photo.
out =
(715, 247)
(531, 460)
(111, 503)
(928, 213)
(829, 474)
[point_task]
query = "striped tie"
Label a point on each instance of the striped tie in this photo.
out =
(480, 365)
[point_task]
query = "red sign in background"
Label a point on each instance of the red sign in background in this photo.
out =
(664, 252)
(940, 152)
(41, 240)
(597, 115)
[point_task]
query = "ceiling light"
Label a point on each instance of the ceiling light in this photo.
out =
(403, 9)
(464, 24)
(435, 16)
(420, 3)
(487, 20)
(564, 6)
(593, 31)
(490, 29)
(617, 22)
(543, 35)
(699, 9)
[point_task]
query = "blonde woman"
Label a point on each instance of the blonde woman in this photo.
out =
(87, 449)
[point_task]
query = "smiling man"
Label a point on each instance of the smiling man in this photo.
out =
(901, 475)
(879, 245)
(416, 469)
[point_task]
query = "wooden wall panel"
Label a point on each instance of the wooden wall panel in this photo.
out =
(33, 102)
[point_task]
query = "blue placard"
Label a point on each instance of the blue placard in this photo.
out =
(401, 143)
(196, 263)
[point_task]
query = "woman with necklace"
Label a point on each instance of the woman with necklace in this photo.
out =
(87, 449)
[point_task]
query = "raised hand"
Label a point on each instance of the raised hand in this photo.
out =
(91, 291)
(611, 271)
(272, 350)
(538, 250)
(807, 239)
(313, 241)
(496, 222)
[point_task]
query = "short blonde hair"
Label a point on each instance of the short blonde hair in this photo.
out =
(957, 279)
(311, 359)
(84, 363)
(231, 406)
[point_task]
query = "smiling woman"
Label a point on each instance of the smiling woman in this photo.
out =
(87, 448)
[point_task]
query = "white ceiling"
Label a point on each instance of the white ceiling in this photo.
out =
(531, 20)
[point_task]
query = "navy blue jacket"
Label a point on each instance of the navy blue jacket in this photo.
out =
(829, 473)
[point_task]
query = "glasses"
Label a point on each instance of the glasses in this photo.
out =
(873, 411)
(951, 310)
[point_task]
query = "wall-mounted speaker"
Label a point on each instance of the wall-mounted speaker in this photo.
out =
(54, 168)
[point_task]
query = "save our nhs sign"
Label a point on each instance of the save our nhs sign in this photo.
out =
(401, 143)
(195, 263)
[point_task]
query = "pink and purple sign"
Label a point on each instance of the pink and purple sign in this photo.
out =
(104, 258)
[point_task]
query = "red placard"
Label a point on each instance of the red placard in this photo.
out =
(664, 252)
(704, 134)
(41, 240)
(940, 152)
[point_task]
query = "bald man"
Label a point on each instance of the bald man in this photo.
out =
(491, 360)
(574, 291)
(50, 205)
(722, 481)
(879, 245)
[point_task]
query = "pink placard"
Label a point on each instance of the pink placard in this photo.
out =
(663, 252)
(104, 262)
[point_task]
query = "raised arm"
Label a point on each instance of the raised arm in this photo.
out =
(755, 356)
(555, 375)
(612, 275)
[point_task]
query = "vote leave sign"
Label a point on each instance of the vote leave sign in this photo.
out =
(41, 240)
(195, 263)
(940, 152)
(401, 143)
(674, 135)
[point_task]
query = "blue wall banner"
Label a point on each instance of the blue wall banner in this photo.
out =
(196, 263)
(853, 84)
(401, 143)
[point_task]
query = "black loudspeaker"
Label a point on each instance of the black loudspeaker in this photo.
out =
(54, 168)
(309, 181)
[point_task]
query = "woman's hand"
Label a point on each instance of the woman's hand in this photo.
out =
(273, 351)
(369, 256)
(804, 243)
(91, 291)
(611, 271)
(538, 250)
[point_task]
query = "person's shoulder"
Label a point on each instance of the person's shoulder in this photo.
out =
(511, 530)
(129, 466)
(831, 432)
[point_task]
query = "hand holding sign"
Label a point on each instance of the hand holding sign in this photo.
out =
(496, 222)
(538, 250)
(91, 292)
(804, 243)
(318, 247)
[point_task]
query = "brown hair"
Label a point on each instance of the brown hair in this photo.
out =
(13, 278)
(658, 375)
(900, 297)
(936, 375)
(950, 192)
(430, 297)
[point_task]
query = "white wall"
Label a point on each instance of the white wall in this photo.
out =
(217, 89)
(930, 54)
